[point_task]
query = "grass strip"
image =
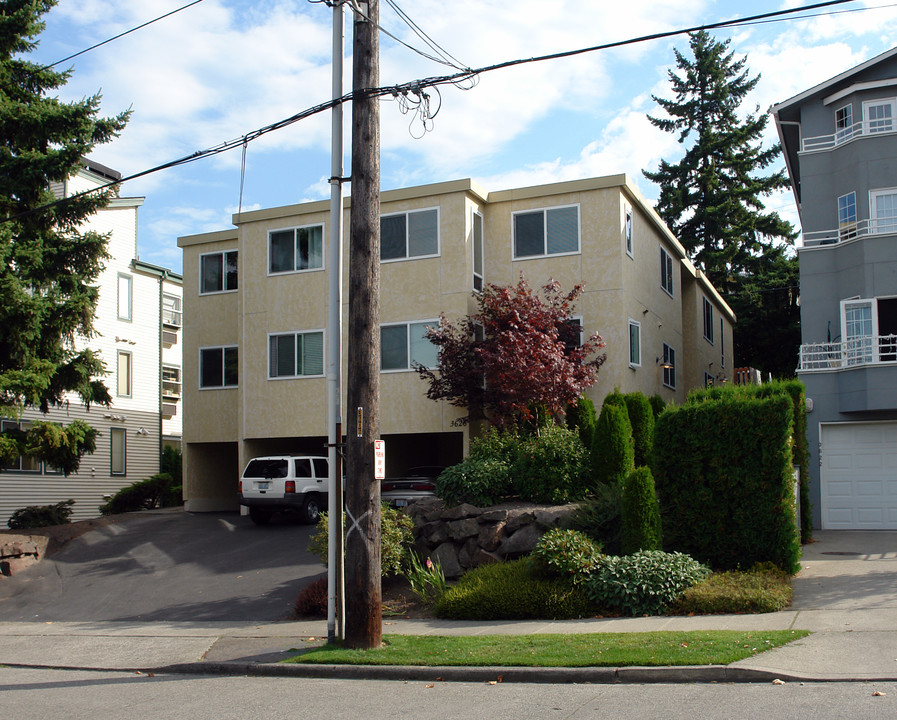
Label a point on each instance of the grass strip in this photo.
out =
(710, 647)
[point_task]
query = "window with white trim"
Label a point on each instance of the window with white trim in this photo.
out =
(292, 355)
(478, 252)
(708, 321)
(218, 272)
(118, 451)
(296, 249)
(218, 367)
(22, 463)
(171, 382)
(124, 374)
(171, 310)
(635, 343)
(847, 216)
(883, 204)
(403, 345)
(844, 123)
(552, 231)
(666, 272)
(411, 234)
(125, 283)
(571, 333)
(879, 115)
(669, 366)
(627, 232)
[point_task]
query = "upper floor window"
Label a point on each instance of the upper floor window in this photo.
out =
(409, 234)
(669, 366)
(844, 123)
(879, 115)
(847, 216)
(403, 345)
(218, 272)
(171, 310)
(118, 451)
(708, 321)
(124, 374)
(554, 231)
(884, 210)
(635, 344)
(666, 271)
(295, 249)
(218, 367)
(296, 354)
(477, 252)
(171, 381)
(627, 232)
(124, 296)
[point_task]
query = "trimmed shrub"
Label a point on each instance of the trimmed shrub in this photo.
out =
(312, 599)
(600, 517)
(484, 476)
(640, 513)
(396, 539)
(566, 554)
(722, 469)
(511, 591)
(641, 418)
(156, 491)
(762, 589)
(35, 516)
(643, 583)
(551, 467)
(658, 404)
(612, 452)
(582, 418)
(172, 463)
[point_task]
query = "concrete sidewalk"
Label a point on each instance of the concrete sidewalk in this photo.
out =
(846, 594)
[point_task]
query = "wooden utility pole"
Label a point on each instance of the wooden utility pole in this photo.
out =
(363, 599)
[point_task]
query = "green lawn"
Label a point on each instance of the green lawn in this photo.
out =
(719, 647)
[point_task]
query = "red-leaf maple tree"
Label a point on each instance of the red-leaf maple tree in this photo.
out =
(519, 353)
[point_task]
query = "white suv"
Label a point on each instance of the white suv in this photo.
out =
(284, 482)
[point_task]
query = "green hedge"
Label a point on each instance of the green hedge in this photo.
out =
(641, 418)
(800, 451)
(612, 451)
(640, 513)
(722, 470)
(159, 490)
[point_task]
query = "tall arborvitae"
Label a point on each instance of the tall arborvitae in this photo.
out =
(48, 264)
(712, 198)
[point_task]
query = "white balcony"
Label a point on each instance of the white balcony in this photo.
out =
(863, 129)
(852, 231)
(856, 352)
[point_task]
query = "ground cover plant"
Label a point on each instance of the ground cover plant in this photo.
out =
(719, 647)
(764, 588)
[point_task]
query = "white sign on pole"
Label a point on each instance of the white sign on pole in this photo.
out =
(379, 459)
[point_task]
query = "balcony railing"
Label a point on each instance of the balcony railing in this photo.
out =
(171, 317)
(872, 350)
(852, 231)
(865, 128)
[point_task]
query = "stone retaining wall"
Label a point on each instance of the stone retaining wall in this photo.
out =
(465, 536)
(18, 552)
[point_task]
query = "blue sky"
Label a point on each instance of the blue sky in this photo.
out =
(222, 68)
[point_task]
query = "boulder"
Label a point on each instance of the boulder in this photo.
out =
(447, 556)
(521, 542)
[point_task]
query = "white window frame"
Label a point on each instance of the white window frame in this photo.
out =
(224, 384)
(296, 230)
(407, 214)
(669, 373)
(859, 350)
(667, 277)
(881, 125)
(578, 319)
(171, 313)
(125, 298)
(409, 356)
(297, 353)
(628, 221)
(478, 231)
(19, 467)
(844, 123)
(886, 224)
(545, 211)
(118, 435)
(637, 326)
(174, 382)
(124, 377)
(847, 216)
(707, 311)
(223, 254)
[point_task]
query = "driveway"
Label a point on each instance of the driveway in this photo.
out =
(168, 566)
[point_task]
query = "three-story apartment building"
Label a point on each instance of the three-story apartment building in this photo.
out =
(840, 144)
(256, 315)
(138, 336)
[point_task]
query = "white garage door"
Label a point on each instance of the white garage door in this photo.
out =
(859, 476)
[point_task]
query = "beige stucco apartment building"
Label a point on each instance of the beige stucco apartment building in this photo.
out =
(255, 314)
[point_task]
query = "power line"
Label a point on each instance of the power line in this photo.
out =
(416, 88)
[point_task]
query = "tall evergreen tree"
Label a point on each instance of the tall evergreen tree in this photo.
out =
(48, 264)
(712, 198)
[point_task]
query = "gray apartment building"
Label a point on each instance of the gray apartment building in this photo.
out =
(840, 145)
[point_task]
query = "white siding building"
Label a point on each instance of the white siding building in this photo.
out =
(138, 336)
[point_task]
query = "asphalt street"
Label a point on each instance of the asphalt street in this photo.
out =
(172, 566)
